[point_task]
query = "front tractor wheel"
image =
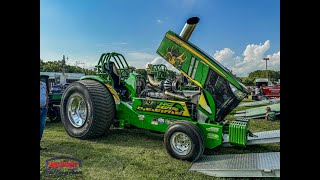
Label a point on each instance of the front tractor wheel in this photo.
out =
(183, 140)
(87, 109)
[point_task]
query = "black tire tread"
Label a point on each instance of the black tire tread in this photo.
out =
(103, 108)
(196, 131)
(103, 113)
(194, 127)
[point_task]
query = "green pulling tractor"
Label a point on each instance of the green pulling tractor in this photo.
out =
(191, 120)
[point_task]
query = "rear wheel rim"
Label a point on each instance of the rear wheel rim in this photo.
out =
(77, 111)
(180, 143)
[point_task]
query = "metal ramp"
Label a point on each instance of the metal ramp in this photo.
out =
(239, 165)
(264, 137)
(263, 102)
(243, 165)
(258, 112)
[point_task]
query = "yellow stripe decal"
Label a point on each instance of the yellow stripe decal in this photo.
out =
(196, 82)
(203, 103)
(114, 93)
(174, 39)
(183, 104)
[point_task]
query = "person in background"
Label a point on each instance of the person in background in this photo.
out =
(270, 115)
(252, 91)
(257, 90)
(43, 107)
(261, 90)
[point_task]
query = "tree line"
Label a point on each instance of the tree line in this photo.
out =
(56, 66)
(273, 76)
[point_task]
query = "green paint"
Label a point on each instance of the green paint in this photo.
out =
(159, 71)
(238, 133)
(56, 97)
(212, 134)
(167, 43)
(128, 116)
(130, 83)
(211, 103)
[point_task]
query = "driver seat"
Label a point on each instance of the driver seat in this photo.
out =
(114, 74)
(118, 86)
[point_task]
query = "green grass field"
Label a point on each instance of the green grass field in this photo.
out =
(134, 153)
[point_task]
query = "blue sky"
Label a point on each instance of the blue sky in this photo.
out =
(236, 33)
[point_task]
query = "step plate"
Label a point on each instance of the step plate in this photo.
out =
(264, 137)
(239, 165)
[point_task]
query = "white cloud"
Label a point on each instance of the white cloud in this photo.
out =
(255, 52)
(160, 60)
(138, 59)
(274, 61)
(251, 59)
(225, 57)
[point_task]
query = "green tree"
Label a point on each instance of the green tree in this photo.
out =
(41, 64)
(247, 81)
(56, 66)
(273, 75)
(52, 66)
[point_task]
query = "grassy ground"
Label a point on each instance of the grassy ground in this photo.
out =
(133, 153)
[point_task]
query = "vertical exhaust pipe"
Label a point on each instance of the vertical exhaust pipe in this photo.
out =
(189, 27)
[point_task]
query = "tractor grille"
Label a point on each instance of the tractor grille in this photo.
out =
(238, 132)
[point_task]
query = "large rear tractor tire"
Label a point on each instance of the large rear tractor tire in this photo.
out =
(183, 140)
(87, 109)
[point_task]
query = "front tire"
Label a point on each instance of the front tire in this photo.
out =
(183, 140)
(87, 109)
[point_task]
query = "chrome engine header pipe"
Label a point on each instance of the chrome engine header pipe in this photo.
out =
(153, 82)
(189, 27)
(176, 96)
